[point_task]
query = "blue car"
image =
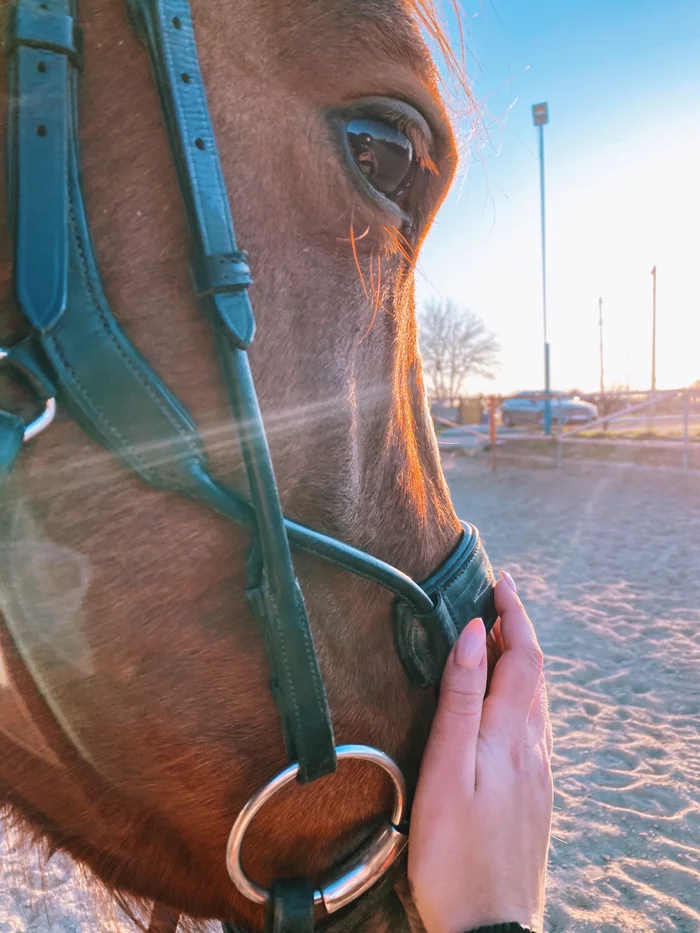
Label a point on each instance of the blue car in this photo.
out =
(528, 408)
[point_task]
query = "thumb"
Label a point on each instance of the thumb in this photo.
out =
(455, 731)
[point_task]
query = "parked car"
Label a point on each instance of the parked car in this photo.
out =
(528, 408)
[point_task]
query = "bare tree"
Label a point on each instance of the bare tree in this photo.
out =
(455, 344)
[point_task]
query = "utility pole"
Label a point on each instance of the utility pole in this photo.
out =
(653, 332)
(540, 117)
(600, 324)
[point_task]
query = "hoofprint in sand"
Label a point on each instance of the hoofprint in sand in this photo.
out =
(608, 563)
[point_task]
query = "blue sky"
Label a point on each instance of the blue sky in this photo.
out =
(622, 152)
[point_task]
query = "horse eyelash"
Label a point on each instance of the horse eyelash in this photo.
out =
(421, 145)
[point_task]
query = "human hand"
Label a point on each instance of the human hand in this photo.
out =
(481, 818)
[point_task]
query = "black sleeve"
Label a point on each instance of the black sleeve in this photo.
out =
(503, 928)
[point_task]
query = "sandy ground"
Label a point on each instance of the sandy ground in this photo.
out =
(608, 562)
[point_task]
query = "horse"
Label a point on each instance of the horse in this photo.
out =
(135, 711)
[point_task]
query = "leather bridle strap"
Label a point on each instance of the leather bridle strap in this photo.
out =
(110, 388)
(221, 277)
(291, 907)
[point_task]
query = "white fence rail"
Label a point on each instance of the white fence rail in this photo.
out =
(655, 399)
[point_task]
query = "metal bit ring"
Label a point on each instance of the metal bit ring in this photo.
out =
(353, 877)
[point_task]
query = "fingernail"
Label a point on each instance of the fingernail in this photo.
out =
(471, 645)
(509, 580)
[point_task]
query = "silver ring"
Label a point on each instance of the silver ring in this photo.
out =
(353, 877)
(44, 419)
(42, 422)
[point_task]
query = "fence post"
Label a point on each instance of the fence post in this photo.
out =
(686, 431)
(492, 431)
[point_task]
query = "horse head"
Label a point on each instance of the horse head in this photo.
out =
(135, 703)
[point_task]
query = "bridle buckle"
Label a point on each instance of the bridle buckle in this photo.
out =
(42, 421)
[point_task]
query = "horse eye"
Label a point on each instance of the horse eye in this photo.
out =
(383, 154)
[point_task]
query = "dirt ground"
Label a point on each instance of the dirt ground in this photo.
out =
(608, 563)
(607, 560)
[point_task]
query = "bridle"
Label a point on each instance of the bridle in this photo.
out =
(77, 354)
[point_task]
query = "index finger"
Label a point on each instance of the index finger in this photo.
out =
(517, 672)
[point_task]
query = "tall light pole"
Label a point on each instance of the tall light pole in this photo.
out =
(540, 117)
(600, 324)
(653, 331)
